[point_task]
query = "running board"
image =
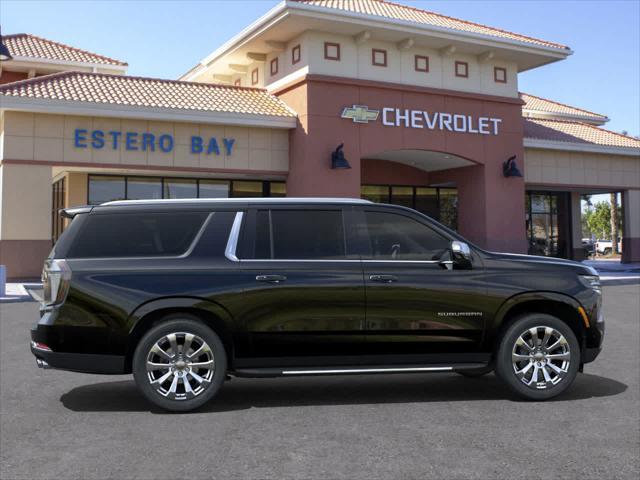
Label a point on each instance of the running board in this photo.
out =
(358, 370)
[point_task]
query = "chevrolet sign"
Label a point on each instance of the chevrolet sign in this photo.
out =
(360, 114)
(397, 117)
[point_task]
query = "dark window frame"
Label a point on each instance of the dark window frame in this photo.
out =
(460, 63)
(296, 54)
(374, 51)
(326, 51)
(416, 58)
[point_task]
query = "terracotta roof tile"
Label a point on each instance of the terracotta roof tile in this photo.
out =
(575, 132)
(27, 45)
(395, 11)
(148, 92)
(531, 102)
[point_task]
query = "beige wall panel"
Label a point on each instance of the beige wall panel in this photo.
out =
(280, 140)
(183, 156)
(184, 131)
(632, 213)
(367, 71)
(26, 202)
(259, 159)
(213, 160)
(241, 134)
(71, 123)
(50, 126)
(17, 148)
(106, 154)
(76, 189)
(280, 160)
(581, 168)
(73, 154)
(259, 138)
(208, 131)
(19, 123)
(49, 149)
(432, 78)
(239, 159)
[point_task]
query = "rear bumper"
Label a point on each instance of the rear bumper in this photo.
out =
(77, 362)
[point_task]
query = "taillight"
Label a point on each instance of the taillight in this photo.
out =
(56, 276)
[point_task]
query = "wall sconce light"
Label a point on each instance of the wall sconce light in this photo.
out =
(510, 169)
(338, 162)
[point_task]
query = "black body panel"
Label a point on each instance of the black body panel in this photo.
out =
(292, 313)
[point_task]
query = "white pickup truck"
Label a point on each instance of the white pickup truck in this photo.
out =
(605, 247)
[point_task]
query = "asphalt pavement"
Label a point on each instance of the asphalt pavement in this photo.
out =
(64, 425)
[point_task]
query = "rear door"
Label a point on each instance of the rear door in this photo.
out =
(305, 289)
(415, 304)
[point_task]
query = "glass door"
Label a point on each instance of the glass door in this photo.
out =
(548, 229)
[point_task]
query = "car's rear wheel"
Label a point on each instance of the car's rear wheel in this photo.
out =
(179, 364)
(538, 357)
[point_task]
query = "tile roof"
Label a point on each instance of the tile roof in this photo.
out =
(575, 132)
(395, 11)
(544, 105)
(103, 88)
(27, 45)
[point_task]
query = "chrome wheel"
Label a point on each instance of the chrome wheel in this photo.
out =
(541, 357)
(180, 366)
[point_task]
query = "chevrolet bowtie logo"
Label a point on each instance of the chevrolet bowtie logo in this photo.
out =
(360, 114)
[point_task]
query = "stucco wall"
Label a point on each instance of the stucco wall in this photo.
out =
(50, 138)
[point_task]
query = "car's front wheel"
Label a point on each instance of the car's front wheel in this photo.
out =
(180, 364)
(538, 357)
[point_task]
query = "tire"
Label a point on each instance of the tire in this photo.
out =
(518, 372)
(476, 372)
(607, 251)
(180, 387)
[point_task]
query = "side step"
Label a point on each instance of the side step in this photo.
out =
(354, 370)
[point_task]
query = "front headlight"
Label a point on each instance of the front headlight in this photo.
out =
(591, 281)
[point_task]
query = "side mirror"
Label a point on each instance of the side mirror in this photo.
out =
(460, 257)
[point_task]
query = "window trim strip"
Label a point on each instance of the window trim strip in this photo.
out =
(234, 235)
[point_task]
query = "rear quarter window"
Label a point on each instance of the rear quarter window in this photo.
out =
(136, 234)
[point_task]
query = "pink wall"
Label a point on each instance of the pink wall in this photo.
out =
(491, 207)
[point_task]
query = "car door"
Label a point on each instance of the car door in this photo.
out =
(304, 289)
(416, 303)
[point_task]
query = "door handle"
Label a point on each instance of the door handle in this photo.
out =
(383, 278)
(271, 278)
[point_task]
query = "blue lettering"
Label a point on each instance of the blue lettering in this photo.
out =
(132, 141)
(165, 142)
(80, 137)
(97, 137)
(148, 140)
(213, 146)
(115, 136)
(196, 144)
(228, 144)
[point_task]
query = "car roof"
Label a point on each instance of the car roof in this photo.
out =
(232, 201)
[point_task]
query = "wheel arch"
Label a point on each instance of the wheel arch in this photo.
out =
(561, 306)
(212, 314)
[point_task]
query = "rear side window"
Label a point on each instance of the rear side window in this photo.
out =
(136, 234)
(299, 235)
(396, 237)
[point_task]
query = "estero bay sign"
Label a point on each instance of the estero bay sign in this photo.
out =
(136, 141)
(403, 117)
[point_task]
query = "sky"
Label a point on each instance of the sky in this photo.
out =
(166, 38)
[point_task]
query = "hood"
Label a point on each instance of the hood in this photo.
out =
(578, 267)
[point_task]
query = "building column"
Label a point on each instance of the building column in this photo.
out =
(490, 207)
(577, 252)
(631, 239)
(25, 219)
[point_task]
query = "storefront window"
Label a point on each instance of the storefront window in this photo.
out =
(214, 189)
(277, 189)
(143, 188)
(448, 199)
(242, 189)
(180, 188)
(105, 189)
(375, 193)
(427, 201)
(547, 218)
(441, 204)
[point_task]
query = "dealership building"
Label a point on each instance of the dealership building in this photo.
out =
(424, 109)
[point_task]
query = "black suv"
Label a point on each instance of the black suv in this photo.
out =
(184, 293)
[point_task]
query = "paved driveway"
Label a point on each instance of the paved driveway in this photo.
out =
(63, 425)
